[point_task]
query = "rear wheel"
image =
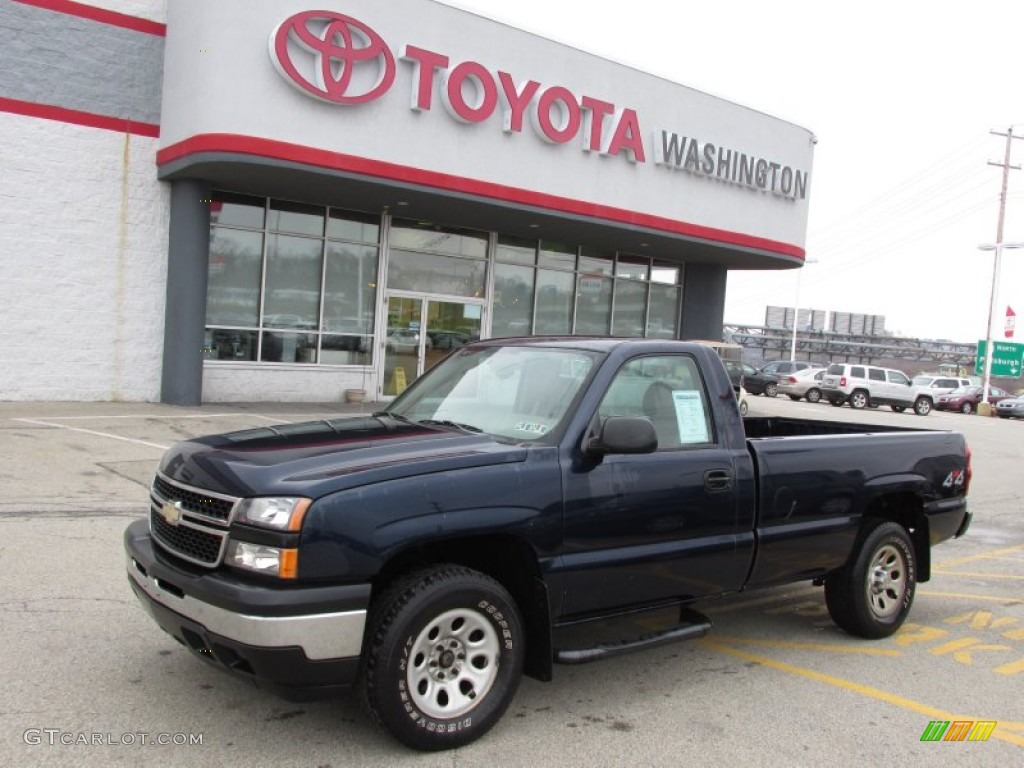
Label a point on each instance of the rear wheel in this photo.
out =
(898, 408)
(871, 595)
(922, 406)
(795, 398)
(770, 390)
(859, 399)
(813, 395)
(836, 403)
(444, 657)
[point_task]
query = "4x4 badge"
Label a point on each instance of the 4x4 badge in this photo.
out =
(171, 512)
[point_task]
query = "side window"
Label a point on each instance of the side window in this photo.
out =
(667, 390)
(876, 374)
(898, 378)
(856, 372)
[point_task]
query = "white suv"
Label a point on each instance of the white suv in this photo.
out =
(868, 385)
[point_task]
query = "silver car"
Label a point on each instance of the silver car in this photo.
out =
(805, 384)
(1012, 408)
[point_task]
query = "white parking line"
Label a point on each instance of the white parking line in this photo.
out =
(93, 432)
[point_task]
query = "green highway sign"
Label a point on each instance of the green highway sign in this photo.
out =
(1007, 361)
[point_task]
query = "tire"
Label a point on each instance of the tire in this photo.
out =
(443, 657)
(898, 408)
(771, 390)
(743, 408)
(922, 406)
(859, 399)
(795, 398)
(966, 408)
(813, 395)
(871, 595)
(837, 403)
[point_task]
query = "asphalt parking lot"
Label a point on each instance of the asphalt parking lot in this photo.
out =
(775, 683)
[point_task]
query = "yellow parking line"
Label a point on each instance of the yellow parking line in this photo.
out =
(961, 595)
(982, 556)
(864, 690)
(807, 646)
(978, 575)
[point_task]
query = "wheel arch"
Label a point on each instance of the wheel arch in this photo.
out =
(509, 560)
(906, 508)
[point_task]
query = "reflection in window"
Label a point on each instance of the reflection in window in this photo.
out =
(662, 321)
(630, 303)
(557, 255)
(292, 290)
(229, 344)
(515, 250)
(513, 301)
(350, 288)
(414, 236)
(434, 273)
(288, 347)
(593, 305)
(237, 211)
(554, 302)
(233, 282)
(298, 218)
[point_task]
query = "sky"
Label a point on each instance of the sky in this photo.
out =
(902, 97)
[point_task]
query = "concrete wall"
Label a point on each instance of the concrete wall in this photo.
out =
(83, 218)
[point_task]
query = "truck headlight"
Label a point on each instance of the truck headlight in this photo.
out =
(281, 513)
(273, 561)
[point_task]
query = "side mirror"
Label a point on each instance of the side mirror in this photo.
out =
(623, 434)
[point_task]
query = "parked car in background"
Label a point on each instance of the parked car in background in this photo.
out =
(405, 341)
(966, 399)
(1011, 408)
(755, 382)
(940, 385)
(802, 384)
(741, 398)
(866, 385)
(781, 367)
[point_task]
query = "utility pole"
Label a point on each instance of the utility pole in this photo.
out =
(1005, 165)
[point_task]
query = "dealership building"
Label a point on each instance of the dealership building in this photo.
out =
(230, 200)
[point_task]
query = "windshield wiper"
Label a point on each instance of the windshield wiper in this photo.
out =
(446, 423)
(390, 415)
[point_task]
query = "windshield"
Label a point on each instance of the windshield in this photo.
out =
(516, 393)
(922, 381)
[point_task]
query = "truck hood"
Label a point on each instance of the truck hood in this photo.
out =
(320, 457)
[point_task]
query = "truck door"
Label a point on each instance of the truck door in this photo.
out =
(676, 523)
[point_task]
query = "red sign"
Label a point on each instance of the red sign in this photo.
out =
(1011, 320)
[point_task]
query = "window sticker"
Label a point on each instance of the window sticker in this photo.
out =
(532, 427)
(693, 427)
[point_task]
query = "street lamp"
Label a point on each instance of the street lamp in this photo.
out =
(998, 248)
(796, 309)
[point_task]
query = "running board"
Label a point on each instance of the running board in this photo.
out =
(697, 625)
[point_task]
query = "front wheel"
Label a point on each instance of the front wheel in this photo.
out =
(444, 657)
(966, 408)
(922, 406)
(771, 390)
(871, 595)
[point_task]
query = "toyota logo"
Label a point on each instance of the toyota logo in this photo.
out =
(350, 63)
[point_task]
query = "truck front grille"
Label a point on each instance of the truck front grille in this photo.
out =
(188, 522)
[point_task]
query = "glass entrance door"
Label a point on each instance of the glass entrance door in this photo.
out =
(421, 331)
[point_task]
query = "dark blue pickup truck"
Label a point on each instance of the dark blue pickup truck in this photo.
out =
(434, 552)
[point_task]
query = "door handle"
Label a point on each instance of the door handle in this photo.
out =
(717, 480)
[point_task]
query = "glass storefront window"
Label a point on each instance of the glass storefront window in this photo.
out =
(233, 282)
(557, 255)
(630, 303)
(515, 250)
(662, 321)
(292, 288)
(416, 236)
(513, 301)
(295, 279)
(345, 225)
(297, 218)
(554, 302)
(665, 272)
(593, 305)
(237, 211)
(594, 262)
(632, 267)
(434, 273)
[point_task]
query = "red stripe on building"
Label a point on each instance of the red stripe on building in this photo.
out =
(76, 117)
(101, 15)
(336, 161)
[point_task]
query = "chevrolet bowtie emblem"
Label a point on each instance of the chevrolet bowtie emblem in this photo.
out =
(171, 512)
